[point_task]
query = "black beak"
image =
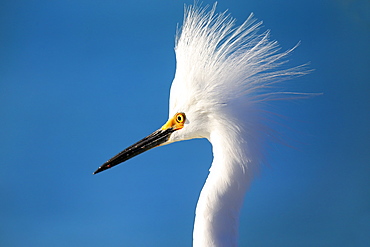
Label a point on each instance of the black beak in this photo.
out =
(155, 139)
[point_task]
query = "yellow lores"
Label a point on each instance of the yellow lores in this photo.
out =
(176, 123)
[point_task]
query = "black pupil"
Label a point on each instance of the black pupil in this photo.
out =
(179, 118)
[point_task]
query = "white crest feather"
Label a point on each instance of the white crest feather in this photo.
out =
(225, 60)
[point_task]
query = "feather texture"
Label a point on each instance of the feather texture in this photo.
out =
(224, 75)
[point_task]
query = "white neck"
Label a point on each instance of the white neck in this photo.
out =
(217, 213)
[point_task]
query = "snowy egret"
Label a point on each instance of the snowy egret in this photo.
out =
(224, 76)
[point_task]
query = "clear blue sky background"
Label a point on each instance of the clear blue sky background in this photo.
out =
(81, 80)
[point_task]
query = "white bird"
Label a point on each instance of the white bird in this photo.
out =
(225, 74)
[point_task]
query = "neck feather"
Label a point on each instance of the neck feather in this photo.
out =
(217, 212)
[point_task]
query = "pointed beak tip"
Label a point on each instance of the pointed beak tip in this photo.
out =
(100, 169)
(157, 138)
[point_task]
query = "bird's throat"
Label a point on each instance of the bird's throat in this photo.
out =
(220, 201)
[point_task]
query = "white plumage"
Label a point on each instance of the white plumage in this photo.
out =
(225, 74)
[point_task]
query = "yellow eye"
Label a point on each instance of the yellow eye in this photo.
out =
(180, 117)
(176, 122)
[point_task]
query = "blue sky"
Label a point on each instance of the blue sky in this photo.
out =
(82, 80)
